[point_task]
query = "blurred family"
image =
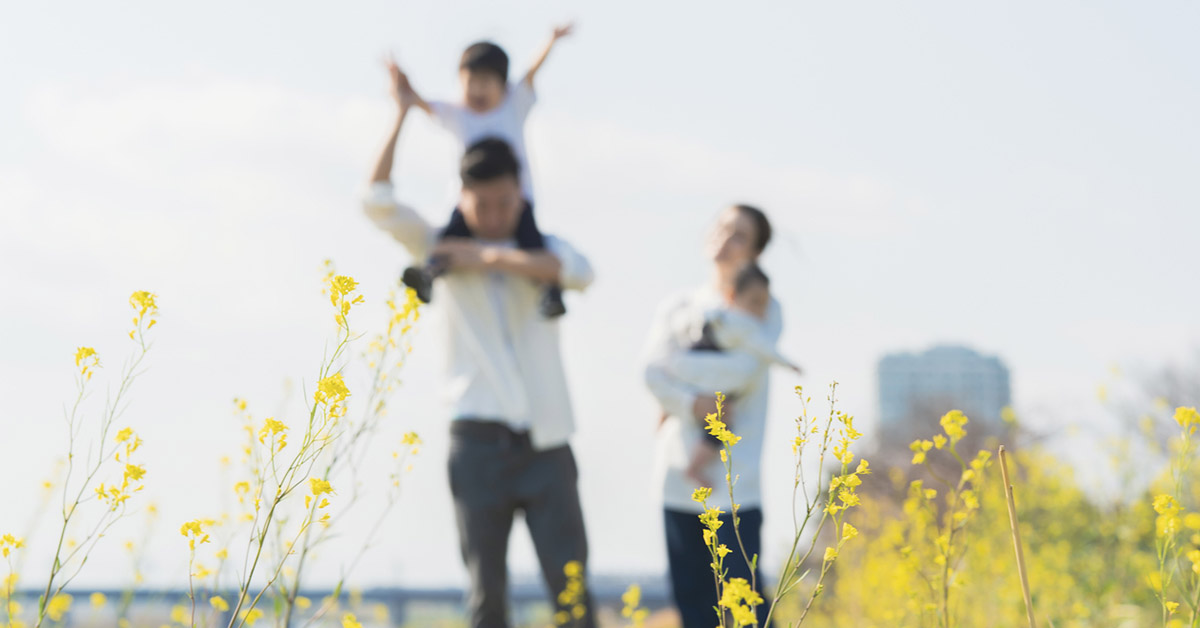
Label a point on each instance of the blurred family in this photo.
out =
(499, 287)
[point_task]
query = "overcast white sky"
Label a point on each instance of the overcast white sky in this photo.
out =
(1020, 177)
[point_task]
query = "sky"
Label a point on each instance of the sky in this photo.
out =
(1018, 177)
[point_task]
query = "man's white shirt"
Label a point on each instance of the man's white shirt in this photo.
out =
(503, 360)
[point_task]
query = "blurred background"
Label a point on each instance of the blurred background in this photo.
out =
(1012, 186)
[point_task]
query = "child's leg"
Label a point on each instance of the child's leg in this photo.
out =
(457, 227)
(703, 455)
(529, 237)
(420, 278)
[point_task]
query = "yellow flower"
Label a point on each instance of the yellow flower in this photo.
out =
(631, 598)
(1194, 557)
(1165, 505)
(830, 553)
(1186, 416)
(219, 603)
(340, 286)
(848, 531)
(194, 532)
(134, 472)
(143, 302)
(319, 486)
(919, 447)
(124, 434)
(953, 422)
(8, 543)
(350, 621)
(58, 606)
(99, 600)
(252, 615)
(331, 390)
(302, 602)
(271, 427)
(83, 353)
(86, 360)
(573, 569)
(701, 494)
(1154, 579)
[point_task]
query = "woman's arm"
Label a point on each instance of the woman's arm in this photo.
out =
(677, 397)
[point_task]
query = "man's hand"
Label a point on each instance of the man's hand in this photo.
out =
(402, 91)
(464, 254)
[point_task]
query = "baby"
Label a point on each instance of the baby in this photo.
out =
(735, 327)
(491, 107)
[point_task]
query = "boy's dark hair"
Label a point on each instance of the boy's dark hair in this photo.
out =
(762, 226)
(487, 160)
(485, 56)
(749, 275)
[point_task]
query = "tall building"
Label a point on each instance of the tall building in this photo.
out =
(915, 385)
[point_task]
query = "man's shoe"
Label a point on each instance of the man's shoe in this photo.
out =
(552, 305)
(420, 280)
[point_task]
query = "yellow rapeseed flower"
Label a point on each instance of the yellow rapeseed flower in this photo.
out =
(252, 615)
(331, 390)
(59, 605)
(1186, 416)
(194, 532)
(953, 422)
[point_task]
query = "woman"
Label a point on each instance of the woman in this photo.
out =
(738, 238)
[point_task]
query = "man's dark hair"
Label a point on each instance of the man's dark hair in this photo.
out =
(487, 160)
(749, 275)
(485, 56)
(762, 226)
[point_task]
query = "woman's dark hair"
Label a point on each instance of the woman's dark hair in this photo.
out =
(749, 275)
(487, 57)
(762, 226)
(486, 160)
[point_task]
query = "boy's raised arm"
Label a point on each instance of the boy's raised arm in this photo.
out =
(559, 33)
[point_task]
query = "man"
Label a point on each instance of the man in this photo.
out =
(512, 414)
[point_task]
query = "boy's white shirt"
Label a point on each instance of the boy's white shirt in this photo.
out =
(735, 372)
(503, 357)
(506, 121)
(735, 332)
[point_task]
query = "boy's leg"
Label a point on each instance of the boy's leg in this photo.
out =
(484, 511)
(457, 227)
(550, 499)
(420, 278)
(530, 238)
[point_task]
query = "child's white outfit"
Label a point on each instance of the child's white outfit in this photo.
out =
(731, 331)
(506, 121)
